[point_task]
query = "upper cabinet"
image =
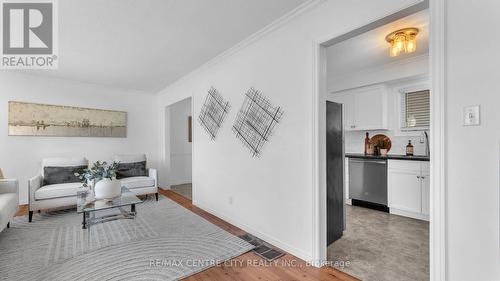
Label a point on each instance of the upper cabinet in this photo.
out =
(365, 108)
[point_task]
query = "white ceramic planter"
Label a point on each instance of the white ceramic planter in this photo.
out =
(107, 189)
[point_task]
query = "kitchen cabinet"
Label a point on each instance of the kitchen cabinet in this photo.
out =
(349, 107)
(408, 188)
(365, 108)
(426, 176)
(346, 182)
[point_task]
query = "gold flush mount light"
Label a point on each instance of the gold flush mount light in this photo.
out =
(402, 41)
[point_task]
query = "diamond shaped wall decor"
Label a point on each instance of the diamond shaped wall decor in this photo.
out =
(255, 121)
(213, 112)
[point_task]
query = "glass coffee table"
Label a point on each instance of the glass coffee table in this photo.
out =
(90, 208)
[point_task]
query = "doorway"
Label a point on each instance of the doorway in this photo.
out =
(387, 239)
(179, 137)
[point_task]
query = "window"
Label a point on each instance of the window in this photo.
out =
(415, 110)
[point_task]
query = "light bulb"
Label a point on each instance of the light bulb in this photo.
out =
(393, 50)
(411, 43)
(400, 42)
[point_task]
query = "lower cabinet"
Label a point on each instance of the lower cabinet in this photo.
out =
(346, 182)
(426, 193)
(408, 188)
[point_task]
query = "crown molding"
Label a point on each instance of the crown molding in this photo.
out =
(281, 21)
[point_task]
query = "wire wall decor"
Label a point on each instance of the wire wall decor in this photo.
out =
(213, 112)
(255, 121)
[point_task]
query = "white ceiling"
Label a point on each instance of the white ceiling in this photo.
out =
(370, 50)
(146, 45)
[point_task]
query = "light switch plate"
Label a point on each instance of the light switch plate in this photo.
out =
(471, 115)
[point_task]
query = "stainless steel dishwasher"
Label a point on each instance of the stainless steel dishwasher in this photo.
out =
(368, 183)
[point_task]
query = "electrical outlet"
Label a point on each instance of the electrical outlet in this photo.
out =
(471, 115)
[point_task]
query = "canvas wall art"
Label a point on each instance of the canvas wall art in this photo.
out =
(31, 119)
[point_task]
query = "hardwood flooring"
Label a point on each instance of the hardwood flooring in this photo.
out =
(250, 266)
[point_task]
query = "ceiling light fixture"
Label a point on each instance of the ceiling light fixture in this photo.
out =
(402, 41)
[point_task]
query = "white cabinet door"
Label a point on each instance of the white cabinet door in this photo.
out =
(364, 108)
(425, 188)
(348, 101)
(405, 191)
(371, 109)
(346, 180)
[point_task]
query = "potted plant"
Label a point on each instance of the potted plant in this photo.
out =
(101, 177)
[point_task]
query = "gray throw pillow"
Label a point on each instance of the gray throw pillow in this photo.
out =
(127, 170)
(56, 175)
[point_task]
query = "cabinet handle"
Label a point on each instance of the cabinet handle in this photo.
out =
(353, 126)
(422, 177)
(418, 177)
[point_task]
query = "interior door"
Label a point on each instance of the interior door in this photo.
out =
(334, 172)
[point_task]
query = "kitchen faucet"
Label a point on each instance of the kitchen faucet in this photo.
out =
(427, 150)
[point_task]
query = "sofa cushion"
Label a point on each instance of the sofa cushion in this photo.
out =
(61, 170)
(57, 175)
(126, 170)
(57, 190)
(8, 207)
(138, 182)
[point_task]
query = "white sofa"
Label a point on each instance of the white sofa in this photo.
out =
(64, 194)
(139, 184)
(9, 201)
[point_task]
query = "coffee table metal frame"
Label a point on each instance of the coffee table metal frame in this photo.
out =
(88, 207)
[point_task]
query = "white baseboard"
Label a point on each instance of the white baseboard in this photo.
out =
(179, 182)
(348, 201)
(274, 241)
(165, 187)
(418, 216)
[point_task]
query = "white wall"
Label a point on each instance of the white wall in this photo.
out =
(398, 69)
(180, 148)
(473, 152)
(270, 196)
(20, 157)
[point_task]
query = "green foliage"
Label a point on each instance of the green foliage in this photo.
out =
(98, 171)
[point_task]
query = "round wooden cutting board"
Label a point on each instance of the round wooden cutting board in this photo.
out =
(377, 138)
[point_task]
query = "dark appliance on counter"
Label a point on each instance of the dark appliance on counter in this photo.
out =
(368, 183)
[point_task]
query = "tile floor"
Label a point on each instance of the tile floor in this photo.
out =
(381, 246)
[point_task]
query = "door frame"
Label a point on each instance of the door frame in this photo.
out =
(437, 71)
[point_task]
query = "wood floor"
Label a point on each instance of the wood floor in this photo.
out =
(249, 266)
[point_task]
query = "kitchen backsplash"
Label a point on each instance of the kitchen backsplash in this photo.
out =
(354, 142)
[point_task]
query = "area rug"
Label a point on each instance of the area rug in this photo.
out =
(165, 242)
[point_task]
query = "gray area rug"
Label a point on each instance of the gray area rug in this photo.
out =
(165, 242)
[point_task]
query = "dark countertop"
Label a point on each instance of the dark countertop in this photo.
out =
(390, 156)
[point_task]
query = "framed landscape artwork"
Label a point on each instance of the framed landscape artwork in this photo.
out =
(31, 119)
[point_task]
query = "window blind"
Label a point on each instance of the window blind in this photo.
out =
(417, 109)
